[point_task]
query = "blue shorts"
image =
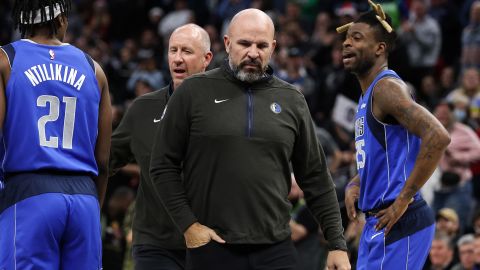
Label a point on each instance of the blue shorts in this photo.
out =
(51, 231)
(406, 246)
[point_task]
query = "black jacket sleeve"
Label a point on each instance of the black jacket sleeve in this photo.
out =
(120, 151)
(170, 144)
(313, 177)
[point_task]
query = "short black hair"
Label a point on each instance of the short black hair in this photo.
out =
(381, 34)
(24, 12)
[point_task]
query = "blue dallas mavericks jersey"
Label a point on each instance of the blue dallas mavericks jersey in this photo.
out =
(52, 110)
(385, 153)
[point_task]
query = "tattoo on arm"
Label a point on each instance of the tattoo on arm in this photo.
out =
(411, 190)
(394, 99)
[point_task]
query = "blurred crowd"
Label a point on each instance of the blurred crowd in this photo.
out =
(437, 53)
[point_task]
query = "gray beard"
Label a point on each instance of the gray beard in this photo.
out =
(244, 76)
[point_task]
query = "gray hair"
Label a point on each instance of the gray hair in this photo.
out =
(465, 240)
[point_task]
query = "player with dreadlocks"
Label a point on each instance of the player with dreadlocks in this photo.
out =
(55, 119)
(398, 146)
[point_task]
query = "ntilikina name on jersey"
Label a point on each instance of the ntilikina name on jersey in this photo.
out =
(54, 72)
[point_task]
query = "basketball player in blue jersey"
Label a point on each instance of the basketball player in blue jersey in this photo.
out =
(398, 145)
(56, 120)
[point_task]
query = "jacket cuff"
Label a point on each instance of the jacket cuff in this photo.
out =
(339, 244)
(186, 221)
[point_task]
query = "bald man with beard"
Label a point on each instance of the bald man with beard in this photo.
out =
(237, 129)
(157, 244)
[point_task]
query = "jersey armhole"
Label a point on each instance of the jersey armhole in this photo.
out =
(389, 120)
(90, 62)
(9, 51)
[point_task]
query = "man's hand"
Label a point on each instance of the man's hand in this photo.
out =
(389, 216)
(198, 235)
(352, 192)
(298, 231)
(338, 260)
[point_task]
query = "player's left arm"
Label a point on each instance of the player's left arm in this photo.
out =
(392, 98)
(102, 148)
(4, 76)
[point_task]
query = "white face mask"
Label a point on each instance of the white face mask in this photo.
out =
(460, 114)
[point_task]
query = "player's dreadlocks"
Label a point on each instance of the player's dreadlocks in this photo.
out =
(29, 15)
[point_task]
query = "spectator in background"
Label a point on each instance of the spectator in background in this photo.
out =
(113, 236)
(142, 87)
(296, 73)
(422, 36)
(447, 81)
(447, 223)
(226, 9)
(119, 70)
(150, 46)
(445, 12)
(147, 71)
(323, 33)
(217, 47)
(331, 80)
(471, 39)
(464, 148)
(466, 252)
(155, 15)
(476, 251)
(475, 225)
(469, 87)
(441, 253)
(127, 231)
(308, 240)
(429, 89)
(321, 42)
(181, 15)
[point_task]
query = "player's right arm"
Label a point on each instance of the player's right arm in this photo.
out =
(102, 148)
(352, 193)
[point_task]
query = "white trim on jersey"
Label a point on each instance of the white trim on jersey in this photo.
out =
(388, 163)
(33, 42)
(384, 253)
(408, 252)
(15, 237)
(406, 157)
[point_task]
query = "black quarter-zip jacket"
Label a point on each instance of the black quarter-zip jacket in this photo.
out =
(234, 142)
(133, 140)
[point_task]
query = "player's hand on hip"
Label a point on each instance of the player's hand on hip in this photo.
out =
(352, 193)
(338, 260)
(389, 216)
(198, 235)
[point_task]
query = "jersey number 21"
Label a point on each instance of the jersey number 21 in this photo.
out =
(54, 112)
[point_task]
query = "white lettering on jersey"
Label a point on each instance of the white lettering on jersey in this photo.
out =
(53, 72)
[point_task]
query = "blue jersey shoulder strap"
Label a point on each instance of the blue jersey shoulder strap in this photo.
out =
(10, 51)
